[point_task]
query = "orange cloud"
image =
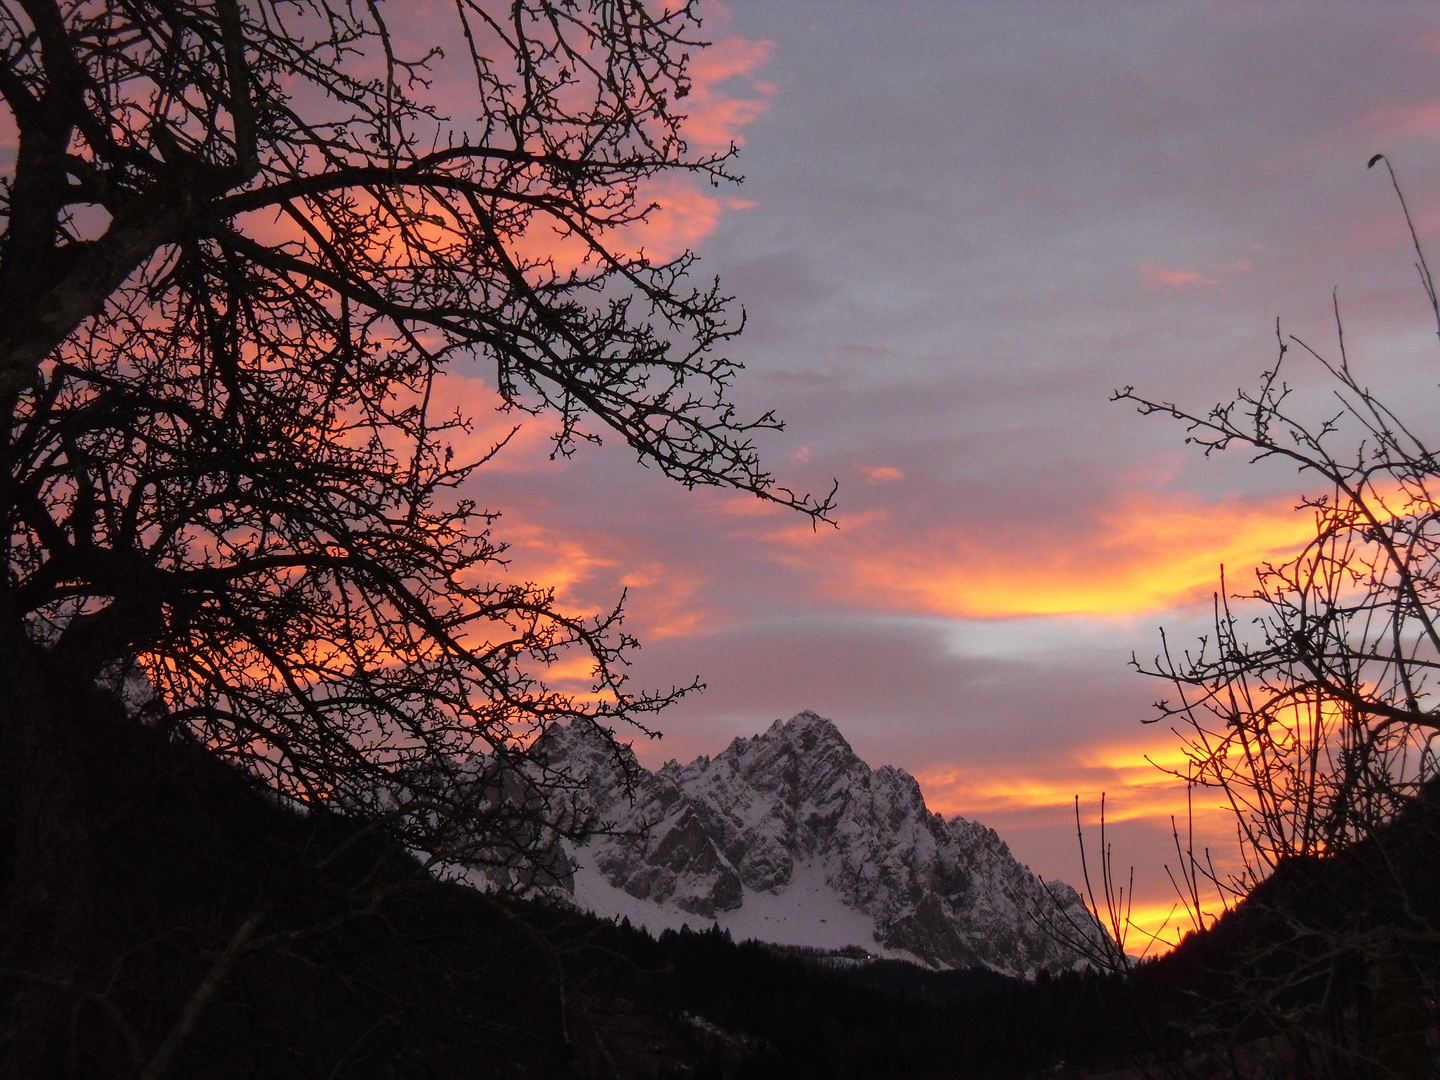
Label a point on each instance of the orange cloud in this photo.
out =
(1136, 779)
(590, 572)
(1135, 790)
(517, 443)
(723, 99)
(555, 560)
(672, 607)
(683, 211)
(1148, 554)
(1160, 277)
(1156, 926)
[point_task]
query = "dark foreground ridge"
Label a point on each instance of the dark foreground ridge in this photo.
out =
(229, 936)
(232, 937)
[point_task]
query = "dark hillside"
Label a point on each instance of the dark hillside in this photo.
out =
(1335, 960)
(230, 936)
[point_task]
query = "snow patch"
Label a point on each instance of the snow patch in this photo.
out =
(808, 912)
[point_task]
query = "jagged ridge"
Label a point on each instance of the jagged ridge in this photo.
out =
(696, 836)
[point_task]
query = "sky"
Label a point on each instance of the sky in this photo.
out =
(963, 227)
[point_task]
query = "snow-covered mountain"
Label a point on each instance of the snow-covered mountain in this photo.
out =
(789, 837)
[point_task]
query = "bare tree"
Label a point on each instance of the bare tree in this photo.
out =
(1312, 709)
(243, 242)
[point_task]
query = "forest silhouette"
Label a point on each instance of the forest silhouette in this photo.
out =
(263, 673)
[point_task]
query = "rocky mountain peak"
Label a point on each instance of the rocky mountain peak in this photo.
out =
(582, 752)
(796, 802)
(805, 756)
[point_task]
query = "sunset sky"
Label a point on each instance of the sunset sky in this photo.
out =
(964, 226)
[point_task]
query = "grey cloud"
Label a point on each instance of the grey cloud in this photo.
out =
(942, 274)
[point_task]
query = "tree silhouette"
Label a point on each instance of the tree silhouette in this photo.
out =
(243, 243)
(1312, 710)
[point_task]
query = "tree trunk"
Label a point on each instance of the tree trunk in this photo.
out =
(48, 904)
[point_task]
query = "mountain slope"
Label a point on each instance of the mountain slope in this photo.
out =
(789, 830)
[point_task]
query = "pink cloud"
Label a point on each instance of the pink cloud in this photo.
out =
(714, 115)
(883, 474)
(1401, 121)
(683, 216)
(683, 211)
(1161, 277)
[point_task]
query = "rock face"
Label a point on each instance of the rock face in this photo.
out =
(698, 837)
